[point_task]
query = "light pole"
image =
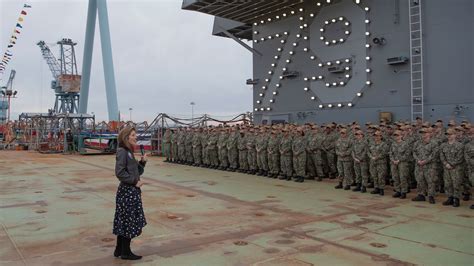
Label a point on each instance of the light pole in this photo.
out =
(130, 109)
(192, 112)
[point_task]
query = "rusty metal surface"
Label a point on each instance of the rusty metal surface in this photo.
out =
(58, 210)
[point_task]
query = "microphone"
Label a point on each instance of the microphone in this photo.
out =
(142, 149)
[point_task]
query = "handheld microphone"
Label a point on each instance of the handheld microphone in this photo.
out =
(142, 149)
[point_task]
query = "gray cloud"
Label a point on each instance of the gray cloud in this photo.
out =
(164, 58)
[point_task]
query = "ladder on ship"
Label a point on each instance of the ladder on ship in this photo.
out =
(416, 59)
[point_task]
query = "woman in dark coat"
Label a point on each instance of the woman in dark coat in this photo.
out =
(129, 216)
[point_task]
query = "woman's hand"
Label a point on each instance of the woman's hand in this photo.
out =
(139, 183)
(144, 158)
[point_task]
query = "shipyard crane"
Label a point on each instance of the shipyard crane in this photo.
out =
(7, 93)
(67, 82)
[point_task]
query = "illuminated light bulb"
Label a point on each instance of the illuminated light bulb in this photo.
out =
(305, 37)
(275, 93)
(328, 1)
(269, 109)
(282, 41)
(258, 102)
(264, 87)
(328, 63)
(262, 39)
(341, 18)
(301, 27)
(261, 21)
(292, 12)
(301, 18)
(339, 105)
(320, 77)
(349, 104)
(266, 80)
(313, 78)
(261, 109)
(348, 68)
(321, 106)
(256, 41)
(368, 82)
(318, 4)
(368, 70)
(277, 35)
(255, 32)
(305, 88)
(367, 21)
(284, 69)
(276, 57)
(320, 64)
(347, 60)
(321, 38)
(367, 33)
(357, 1)
(255, 23)
(270, 72)
(277, 17)
(347, 32)
(367, 8)
(298, 35)
(367, 46)
(328, 85)
(347, 23)
(305, 49)
(311, 15)
(301, 9)
(359, 94)
(326, 22)
(271, 100)
(313, 98)
(334, 41)
(273, 65)
(261, 94)
(330, 105)
(312, 57)
(269, 19)
(279, 49)
(334, 83)
(269, 37)
(338, 62)
(333, 20)
(368, 58)
(256, 109)
(342, 83)
(284, 14)
(281, 77)
(321, 30)
(341, 40)
(278, 85)
(288, 60)
(305, 25)
(305, 79)
(348, 76)
(291, 52)
(286, 33)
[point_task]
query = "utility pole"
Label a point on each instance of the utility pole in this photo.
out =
(192, 112)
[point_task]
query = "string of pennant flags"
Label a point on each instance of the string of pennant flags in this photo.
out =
(8, 54)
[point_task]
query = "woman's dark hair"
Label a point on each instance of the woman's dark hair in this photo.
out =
(123, 138)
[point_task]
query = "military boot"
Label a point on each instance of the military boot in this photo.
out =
(282, 177)
(357, 188)
(431, 200)
(403, 195)
(363, 189)
(472, 207)
(260, 172)
(397, 195)
(347, 187)
(381, 192)
(419, 198)
(319, 179)
(375, 191)
(466, 196)
(288, 178)
(456, 202)
(338, 186)
(448, 202)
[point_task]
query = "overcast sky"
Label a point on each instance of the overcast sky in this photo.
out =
(164, 58)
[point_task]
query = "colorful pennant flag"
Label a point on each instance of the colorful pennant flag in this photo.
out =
(20, 19)
(23, 12)
(17, 31)
(18, 25)
(26, 6)
(10, 45)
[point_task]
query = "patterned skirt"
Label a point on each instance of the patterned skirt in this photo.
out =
(129, 216)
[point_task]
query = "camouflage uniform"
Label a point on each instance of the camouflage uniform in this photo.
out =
(453, 154)
(251, 152)
(197, 148)
(167, 144)
(274, 154)
(379, 164)
(329, 147)
(298, 147)
(262, 154)
(310, 164)
(286, 157)
(181, 146)
(401, 152)
(189, 146)
(345, 166)
(222, 150)
(212, 149)
(205, 155)
(242, 146)
(359, 151)
(425, 175)
(232, 151)
(174, 146)
(469, 157)
(315, 147)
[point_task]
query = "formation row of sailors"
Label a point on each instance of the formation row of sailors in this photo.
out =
(430, 158)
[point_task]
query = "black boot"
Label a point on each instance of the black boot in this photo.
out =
(472, 207)
(456, 202)
(375, 191)
(371, 185)
(431, 200)
(283, 177)
(338, 186)
(363, 189)
(357, 188)
(448, 202)
(466, 197)
(397, 195)
(288, 178)
(419, 198)
(347, 187)
(118, 247)
(403, 195)
(126, 252)
(319, 179)
(260, 172)
(302, 179)
(297, 179)
(381, 192)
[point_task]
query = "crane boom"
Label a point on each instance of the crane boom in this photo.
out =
(51, 60)
(9, 86)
